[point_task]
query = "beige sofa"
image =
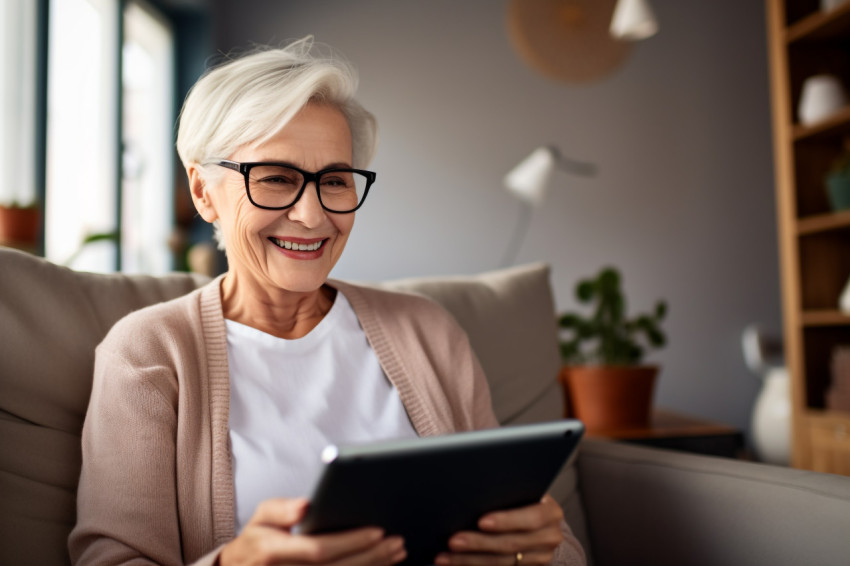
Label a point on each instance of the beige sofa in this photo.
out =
(628, 505)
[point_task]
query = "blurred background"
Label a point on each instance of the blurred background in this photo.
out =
(677, 125)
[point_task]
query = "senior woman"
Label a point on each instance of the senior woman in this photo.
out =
(208, 412)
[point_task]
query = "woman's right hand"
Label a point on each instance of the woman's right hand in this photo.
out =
(267, 539)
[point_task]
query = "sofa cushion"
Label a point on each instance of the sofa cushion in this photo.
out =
(52, 320)
(650, 506)
(509, 316)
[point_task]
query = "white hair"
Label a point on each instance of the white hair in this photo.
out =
(248, 99)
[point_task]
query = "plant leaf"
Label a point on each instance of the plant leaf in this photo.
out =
(100, 237)
(584, 291)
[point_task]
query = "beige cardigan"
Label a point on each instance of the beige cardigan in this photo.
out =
(157, 484)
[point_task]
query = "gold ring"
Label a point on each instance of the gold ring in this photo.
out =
(518, 558)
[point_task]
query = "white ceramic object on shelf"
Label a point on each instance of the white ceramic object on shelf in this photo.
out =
(827, 5)
(771, 418)
(844, 300)
(822, 96)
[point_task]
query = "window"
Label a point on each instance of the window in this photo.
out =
(109, 141)
(18, 102)
(148, 160)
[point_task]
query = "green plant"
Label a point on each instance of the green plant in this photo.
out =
(607, 336)
(91, 238)
(841, 166)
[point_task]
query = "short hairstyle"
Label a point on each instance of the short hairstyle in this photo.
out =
(248, 99)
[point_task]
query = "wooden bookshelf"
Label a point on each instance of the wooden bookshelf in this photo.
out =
(837, 125)
(824, 223)
(818, 25)
(824, 318)
(814, 241)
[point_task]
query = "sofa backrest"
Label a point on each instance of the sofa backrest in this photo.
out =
(53, 317)
(509, 315)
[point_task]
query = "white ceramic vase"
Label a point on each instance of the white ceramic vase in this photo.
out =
(771, 418)
(844, 299)
(827, 5)
(822, 96)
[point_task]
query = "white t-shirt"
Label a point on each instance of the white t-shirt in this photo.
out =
(289, 399)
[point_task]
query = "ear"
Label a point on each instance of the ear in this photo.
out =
(201, 196)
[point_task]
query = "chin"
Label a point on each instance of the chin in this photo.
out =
(306, 282)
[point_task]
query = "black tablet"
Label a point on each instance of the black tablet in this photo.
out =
(427, 489)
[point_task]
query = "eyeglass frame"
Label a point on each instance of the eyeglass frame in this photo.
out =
(309, 177)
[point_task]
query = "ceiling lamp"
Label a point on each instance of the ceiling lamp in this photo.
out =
(633, 20)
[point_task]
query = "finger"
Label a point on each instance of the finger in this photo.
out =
(387, 552)
(271, 545)
(546, 539)
(528, 559)
(336, 546)
(281, 512)
(529, 518)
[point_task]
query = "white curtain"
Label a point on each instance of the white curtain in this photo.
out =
(148, 122)
(82, 125)
(17, 101)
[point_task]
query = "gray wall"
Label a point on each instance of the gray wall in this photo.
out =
(683, 204)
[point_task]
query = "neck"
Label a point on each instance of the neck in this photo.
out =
(281, 313)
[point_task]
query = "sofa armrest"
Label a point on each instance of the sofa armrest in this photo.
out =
(650, 506)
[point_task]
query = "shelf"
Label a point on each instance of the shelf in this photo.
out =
(833, 127)
(827, 417)
(824, 318)
(834, 24)
(823, 223)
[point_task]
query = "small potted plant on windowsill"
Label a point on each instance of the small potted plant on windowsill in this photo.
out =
(19, 224)
(605, 383)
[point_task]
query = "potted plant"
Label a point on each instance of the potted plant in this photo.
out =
(838, 182)
(606, 385)
(19, 224)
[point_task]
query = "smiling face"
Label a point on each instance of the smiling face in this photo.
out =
(292, 249)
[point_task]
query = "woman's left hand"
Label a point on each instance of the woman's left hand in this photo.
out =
(528, 535)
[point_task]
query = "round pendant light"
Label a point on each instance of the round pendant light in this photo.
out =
(568, 40)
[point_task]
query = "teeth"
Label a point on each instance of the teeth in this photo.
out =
(298, 247)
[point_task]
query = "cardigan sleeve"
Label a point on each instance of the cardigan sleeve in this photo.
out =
(144, 494)
(127, 495)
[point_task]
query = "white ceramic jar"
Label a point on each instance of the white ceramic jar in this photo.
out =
(822, 96)
(771, 418)
(827, 5)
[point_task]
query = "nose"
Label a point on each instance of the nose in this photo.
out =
(308, 210)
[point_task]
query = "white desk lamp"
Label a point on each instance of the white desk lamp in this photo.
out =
(530, 180)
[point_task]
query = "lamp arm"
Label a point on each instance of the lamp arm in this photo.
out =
(572, 165)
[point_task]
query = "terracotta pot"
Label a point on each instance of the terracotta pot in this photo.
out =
(610, 397)
(19, 225)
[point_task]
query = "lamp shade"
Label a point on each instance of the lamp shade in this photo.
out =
(633, 20)
(530, 178)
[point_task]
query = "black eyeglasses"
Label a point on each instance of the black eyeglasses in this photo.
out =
(276, 186)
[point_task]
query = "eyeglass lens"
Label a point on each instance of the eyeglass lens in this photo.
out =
(277, 186)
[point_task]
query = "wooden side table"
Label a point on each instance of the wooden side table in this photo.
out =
(676, 431)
